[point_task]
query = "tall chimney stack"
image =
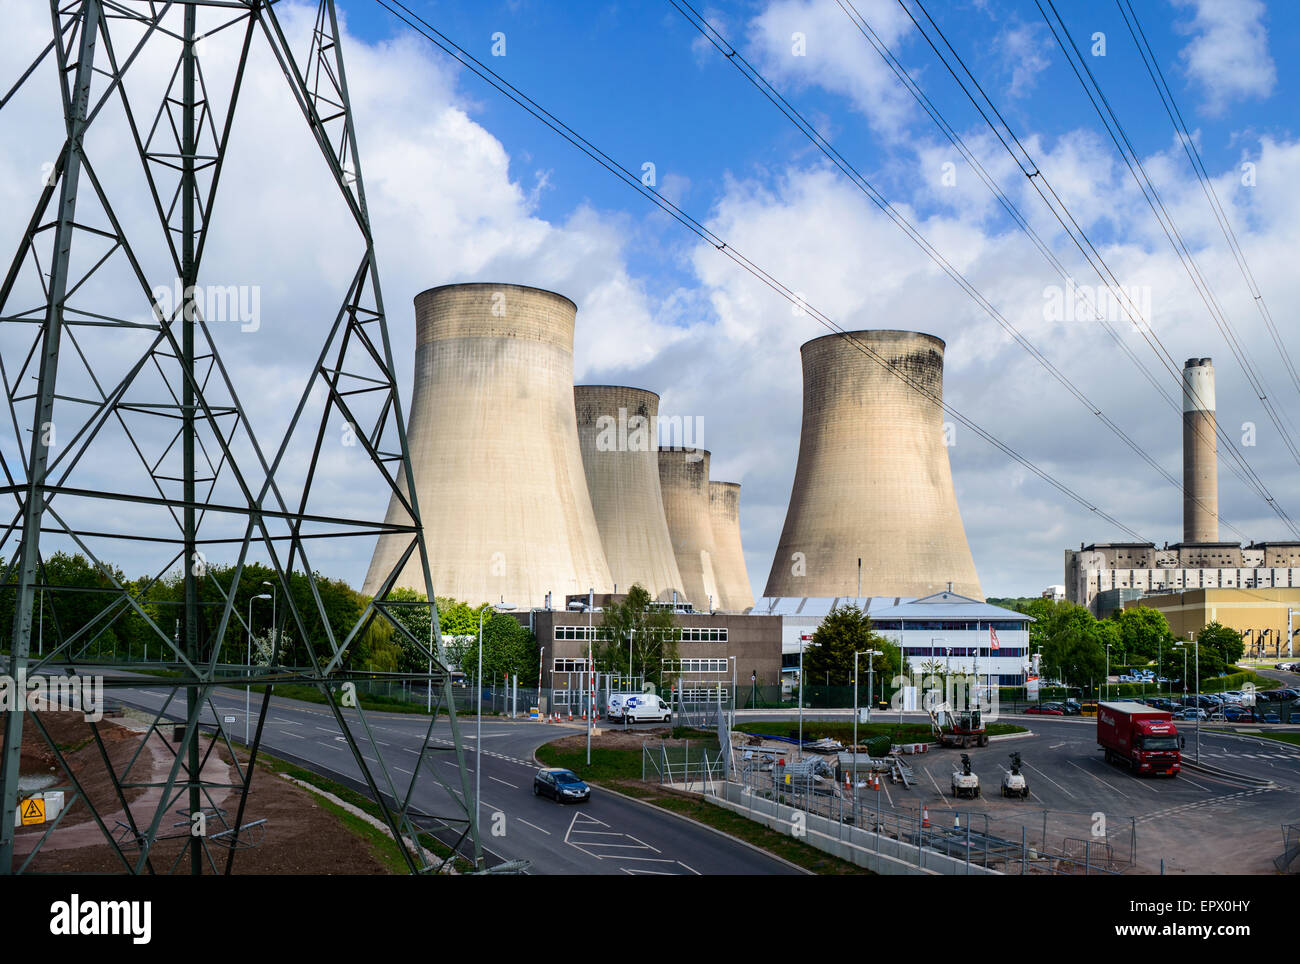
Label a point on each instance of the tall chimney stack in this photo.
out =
(1200, 453)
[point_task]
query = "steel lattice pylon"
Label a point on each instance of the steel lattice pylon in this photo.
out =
(205, 484)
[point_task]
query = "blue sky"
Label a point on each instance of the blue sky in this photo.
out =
(464, 186)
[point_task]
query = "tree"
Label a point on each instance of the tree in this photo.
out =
(1075, 647)
(1142, 631)
(650, 631)
(846, 630)
(1223, 640)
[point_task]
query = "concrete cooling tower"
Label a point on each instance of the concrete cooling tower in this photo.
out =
(873, 480)
(729, 572)
(684, 478)
(494, 451)
(1200, 453)
(617, 433)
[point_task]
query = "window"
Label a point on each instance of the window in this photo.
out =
(576, 632)
(569, 665)
(704, 634)
(696, 665)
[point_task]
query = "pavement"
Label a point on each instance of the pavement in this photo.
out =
(609, 834)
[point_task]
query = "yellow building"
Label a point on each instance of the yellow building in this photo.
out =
(1260, 615)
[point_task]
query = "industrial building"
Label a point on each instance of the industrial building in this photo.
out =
(944, 626)
(1266, 618)
(872, 511)
(729, 570)
(715, 649)
(684, 479)
(1109, 576)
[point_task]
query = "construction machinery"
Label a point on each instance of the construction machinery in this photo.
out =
(1014, 783)
(962, 729)
(964, 782)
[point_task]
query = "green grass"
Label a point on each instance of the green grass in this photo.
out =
(837, 730)
(606, 764)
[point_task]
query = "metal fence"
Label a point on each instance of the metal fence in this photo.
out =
(1027, 842)
(701, 766)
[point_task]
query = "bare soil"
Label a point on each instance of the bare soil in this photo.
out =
(299, 836)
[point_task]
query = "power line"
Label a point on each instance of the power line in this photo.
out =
(756, 78)
(1207, 184)
(1167, 224)
(436, 37)
(1042, 186)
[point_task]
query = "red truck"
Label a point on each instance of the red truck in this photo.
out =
(1142, 737)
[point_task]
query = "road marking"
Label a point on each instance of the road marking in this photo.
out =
(937, 790)
(328, 729)
(1028, 766)
(533, 825)
(1056, 746)
(1098, 779)
(513, 785)
(400, 770)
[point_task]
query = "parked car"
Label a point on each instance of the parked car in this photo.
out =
(1069, 708)
(1044, 710)
(1270, 717)
(1191, 713)
(560, 785)
(1239, 715)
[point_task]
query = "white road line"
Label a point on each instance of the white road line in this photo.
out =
(1098, 779)
(400, 770)
(533, 825)
(937, 790)
(1194, 783)
(328, 729)
(512, 785)
(1028, 766)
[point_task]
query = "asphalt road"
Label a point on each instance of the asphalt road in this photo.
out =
(608, 834)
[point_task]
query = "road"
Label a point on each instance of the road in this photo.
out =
(607, 835)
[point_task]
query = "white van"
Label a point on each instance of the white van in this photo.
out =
(646, 706)
(614, 708)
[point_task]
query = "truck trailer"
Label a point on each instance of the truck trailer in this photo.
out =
(1141, 737)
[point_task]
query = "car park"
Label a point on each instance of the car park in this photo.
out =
(560, 785)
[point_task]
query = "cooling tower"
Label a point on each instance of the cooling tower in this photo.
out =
(873, 480)
(729, 570)
(494, 451)
(1200, 453)
(617, 432)
(684, 479)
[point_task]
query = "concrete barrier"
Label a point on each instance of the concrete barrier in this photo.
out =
(875, 852)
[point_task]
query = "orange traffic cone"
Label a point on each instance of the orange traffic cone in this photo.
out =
(925, 816)
(571, 715)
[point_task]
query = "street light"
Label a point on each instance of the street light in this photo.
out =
(870, 666)
(1196, 648)
(248, 689)
(1108, 671)
(478, 737)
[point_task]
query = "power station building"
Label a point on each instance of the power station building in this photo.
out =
(1108, 576)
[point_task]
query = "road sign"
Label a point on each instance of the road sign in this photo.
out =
(32, 811)
(227, 719)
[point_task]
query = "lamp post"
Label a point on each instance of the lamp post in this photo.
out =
(248, 689)
(1108, 671)
(1196, 650)
(500, 607)
(856, 654)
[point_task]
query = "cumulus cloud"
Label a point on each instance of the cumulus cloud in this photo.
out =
(1228, 52)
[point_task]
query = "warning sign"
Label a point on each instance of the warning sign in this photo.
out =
(33, 811)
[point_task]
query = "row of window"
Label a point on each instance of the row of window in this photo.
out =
(690, 634)
(943, 652)
(695, 665)
(569, 665)
(950, 625)
(706, 694)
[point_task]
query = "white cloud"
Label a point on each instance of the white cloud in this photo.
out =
(804, 42)
(1228, 54)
